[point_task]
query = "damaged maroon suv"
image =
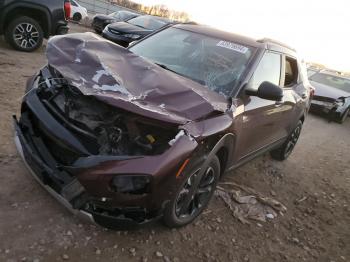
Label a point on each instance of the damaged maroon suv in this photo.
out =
(126, 136)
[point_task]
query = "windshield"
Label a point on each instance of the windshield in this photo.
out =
(214, 63)
(333, 81)
(115, 14)
(147, 22)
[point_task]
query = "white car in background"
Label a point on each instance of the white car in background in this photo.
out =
(78, 12)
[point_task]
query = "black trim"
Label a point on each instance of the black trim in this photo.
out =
(257, 153)
(52, 127)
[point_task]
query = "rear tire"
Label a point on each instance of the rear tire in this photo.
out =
(24, 34)
(284, 151)
(199, 200)
(77, 17)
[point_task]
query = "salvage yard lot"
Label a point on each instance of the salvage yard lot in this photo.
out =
(33, 226)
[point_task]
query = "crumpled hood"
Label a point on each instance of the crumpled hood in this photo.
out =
(122, 79)
(125, 27)
(328, 91)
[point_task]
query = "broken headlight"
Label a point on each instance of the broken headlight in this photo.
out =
(131, 184)
(339, 102)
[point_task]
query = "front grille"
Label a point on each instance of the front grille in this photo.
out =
(61, 153)
(55, 102)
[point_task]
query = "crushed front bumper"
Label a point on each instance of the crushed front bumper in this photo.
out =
(83, 185)
(23, 150)
(72, 194)
(332, 110)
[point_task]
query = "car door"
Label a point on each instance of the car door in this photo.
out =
(294, 95)
(259, 123)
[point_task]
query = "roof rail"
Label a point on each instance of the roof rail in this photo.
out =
(190, 23)
(272, 41)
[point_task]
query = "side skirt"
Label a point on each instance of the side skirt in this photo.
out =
(256, 153)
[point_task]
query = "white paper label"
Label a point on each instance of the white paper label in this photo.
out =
(233, 46)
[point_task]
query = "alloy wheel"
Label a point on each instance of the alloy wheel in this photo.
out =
(26, 35)
(293, 139)
(195, 194)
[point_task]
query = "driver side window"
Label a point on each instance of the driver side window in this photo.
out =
(269, 69)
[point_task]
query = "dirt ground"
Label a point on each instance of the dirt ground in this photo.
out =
(34, 227)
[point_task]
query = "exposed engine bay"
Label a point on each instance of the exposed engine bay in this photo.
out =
(103, 129)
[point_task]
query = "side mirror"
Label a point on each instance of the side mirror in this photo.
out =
(267, 91)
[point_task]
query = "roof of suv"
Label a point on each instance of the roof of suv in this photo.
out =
(263, 43)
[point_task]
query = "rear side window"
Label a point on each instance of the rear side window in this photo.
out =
(73, 3)
(291, 72)
(269, 69)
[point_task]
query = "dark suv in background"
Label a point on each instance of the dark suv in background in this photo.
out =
(100, 21)
(134, 29)
(25, 23)
(129, 135)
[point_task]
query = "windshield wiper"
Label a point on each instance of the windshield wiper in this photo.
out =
(169, 69)
(141, 26)
(165, 67)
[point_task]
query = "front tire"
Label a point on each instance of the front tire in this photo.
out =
(344, 116)
(24, 34)
(177, 213)
(284, 151)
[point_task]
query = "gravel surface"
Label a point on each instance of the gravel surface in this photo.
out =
(314, 185)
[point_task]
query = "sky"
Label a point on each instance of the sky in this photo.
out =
(319, 30)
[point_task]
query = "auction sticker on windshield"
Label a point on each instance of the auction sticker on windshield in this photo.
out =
(233, 46)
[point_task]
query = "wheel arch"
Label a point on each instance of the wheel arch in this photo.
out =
(222, 154)
(223, 149)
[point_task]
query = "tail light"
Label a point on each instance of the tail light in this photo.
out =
(67, 9)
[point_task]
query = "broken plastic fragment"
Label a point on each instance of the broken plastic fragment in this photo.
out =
(180, 134)
(270, 216)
